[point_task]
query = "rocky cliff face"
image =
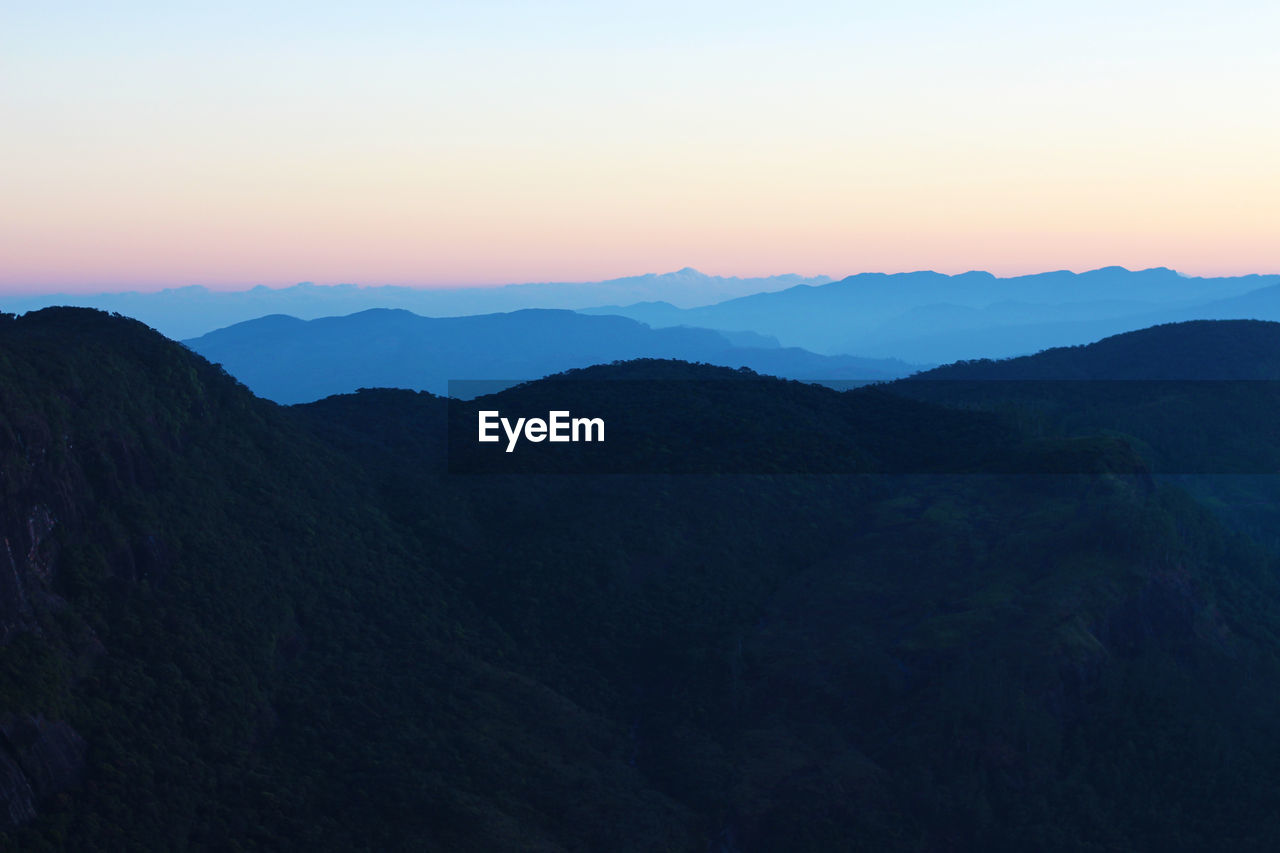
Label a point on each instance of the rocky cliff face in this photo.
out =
(43, 491)
(38, 758)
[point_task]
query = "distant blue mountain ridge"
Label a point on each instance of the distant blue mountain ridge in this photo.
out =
(186, 312)
(293, 361)
(931, 317)
(916, 317)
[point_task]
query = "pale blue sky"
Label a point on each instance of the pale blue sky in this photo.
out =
(235, 143)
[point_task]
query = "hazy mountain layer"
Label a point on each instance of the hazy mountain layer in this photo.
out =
(926, 317)
(290, 360)
(187, 312)
(919, 317)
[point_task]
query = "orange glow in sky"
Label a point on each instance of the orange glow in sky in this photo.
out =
(411, 144)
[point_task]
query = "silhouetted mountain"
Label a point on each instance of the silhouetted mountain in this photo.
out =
(187, 312)
(290, 361)
(1193, 350)
(1199, 396)
(929, 317)
(233, 625)
(1197, 399)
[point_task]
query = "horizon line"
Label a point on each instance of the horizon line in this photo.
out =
(131, 290)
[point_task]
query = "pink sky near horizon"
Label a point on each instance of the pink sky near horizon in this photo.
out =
(266, 143)
(169, 263)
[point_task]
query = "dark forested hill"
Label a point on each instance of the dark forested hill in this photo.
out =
(1198, 398)
(1193, 350)
(292, 361)
(233, 625)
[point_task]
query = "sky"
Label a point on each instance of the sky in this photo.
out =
(231, 144)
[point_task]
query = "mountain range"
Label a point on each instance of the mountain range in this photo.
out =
(927, 317)
(232, 624)
(188, 312)
(294, 361)
(918, 317)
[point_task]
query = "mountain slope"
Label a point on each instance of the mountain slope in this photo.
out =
(1192, 350)
(1198, 399)
(216, 604)
(288, 628)
(1200, 396)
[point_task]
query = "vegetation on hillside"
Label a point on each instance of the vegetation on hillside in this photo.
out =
(293, 628)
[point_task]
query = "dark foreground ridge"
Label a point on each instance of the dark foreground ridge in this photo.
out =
(1197, 350)
(230, 624)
